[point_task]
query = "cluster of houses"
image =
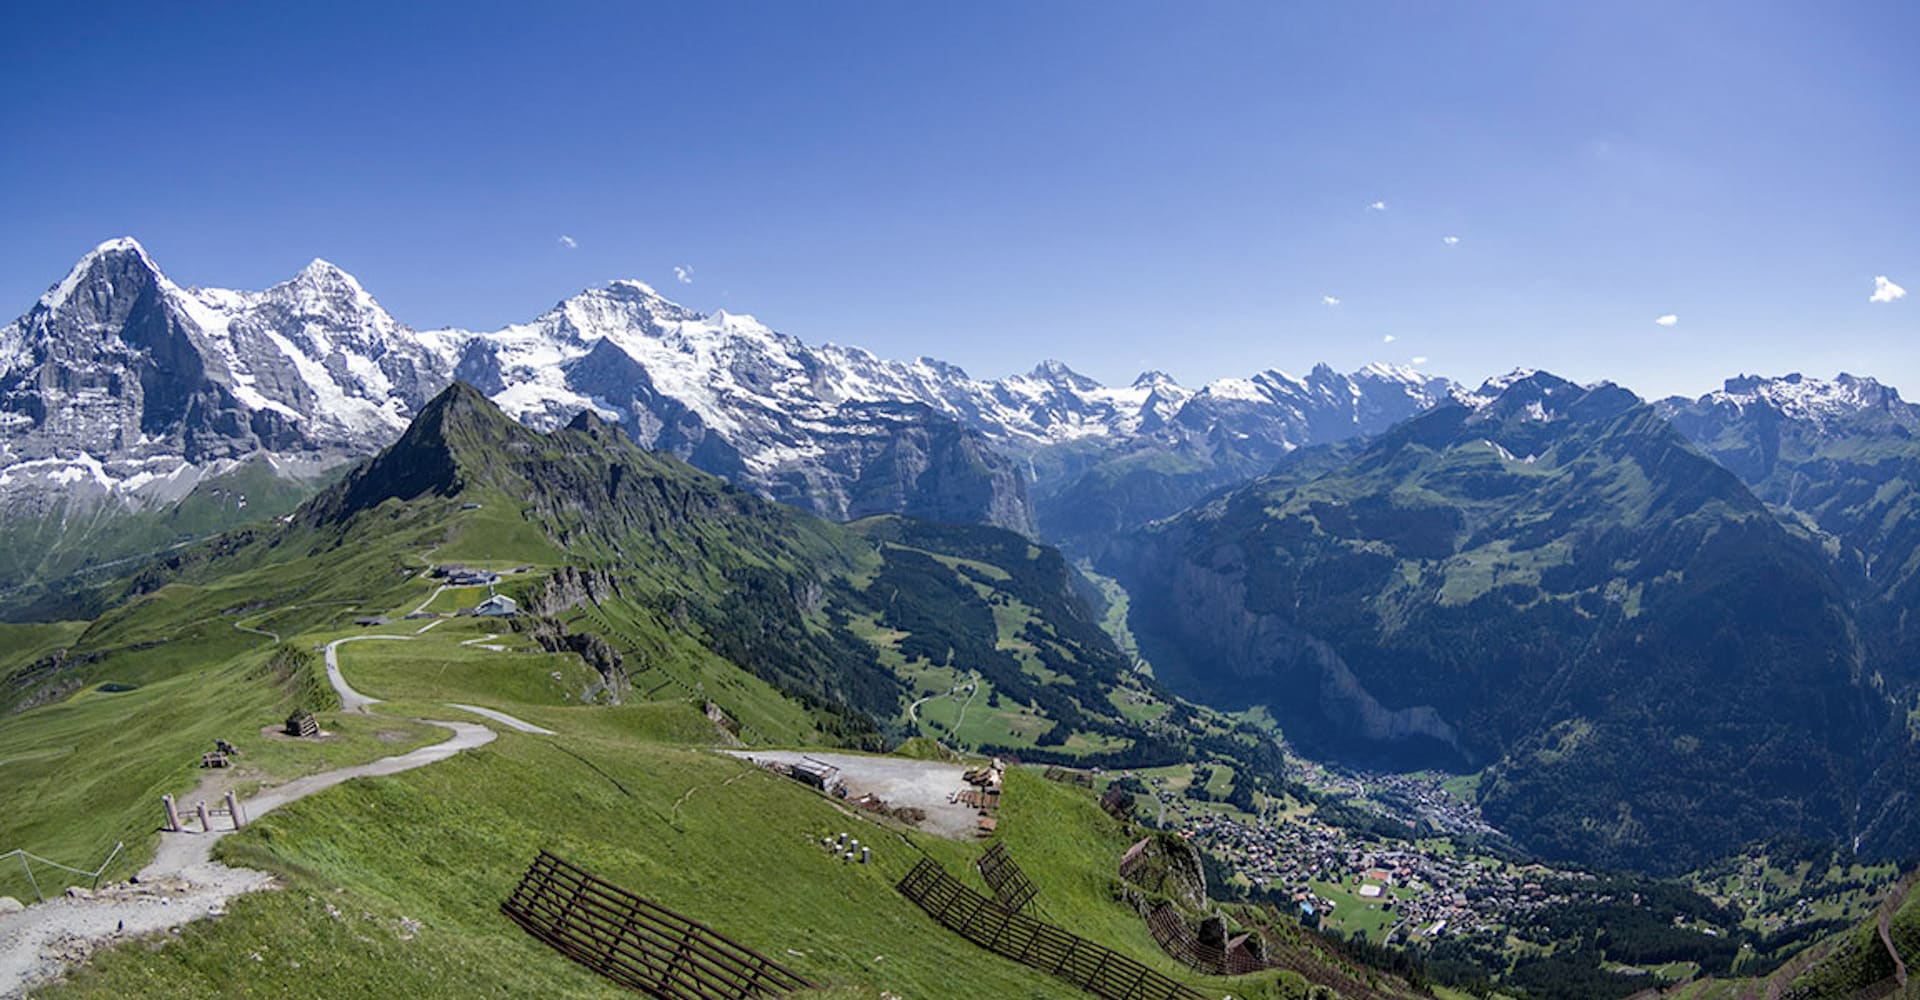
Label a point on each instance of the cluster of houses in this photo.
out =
(1437, 892)
(1414, 797)
(495, 606)
(1429, 892)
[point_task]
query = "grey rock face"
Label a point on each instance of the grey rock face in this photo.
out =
(117, 366)
(121, 393)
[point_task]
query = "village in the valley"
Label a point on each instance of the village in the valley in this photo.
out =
(1385, 888)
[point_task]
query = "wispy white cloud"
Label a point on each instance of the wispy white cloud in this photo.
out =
(569, 242)
(1421, 360)
(1388, 339)
(1885, 290)
(1667, 320)
(683, 273)
(1329, 300)
(1452, 241)
(1378, 206)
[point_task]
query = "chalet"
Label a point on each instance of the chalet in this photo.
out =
(497, 606)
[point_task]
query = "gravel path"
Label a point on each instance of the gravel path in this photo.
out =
(351, 700)
(269, 633)
(502, 718)
(182, 884)
(436, 593)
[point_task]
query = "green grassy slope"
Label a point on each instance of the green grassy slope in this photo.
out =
(706, 594)
(621, 791)
(88, 772)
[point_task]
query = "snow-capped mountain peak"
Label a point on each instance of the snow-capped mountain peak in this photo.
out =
(633, 285)
(1794, 395)
(1501, 383)
(322, 282)
(123, 248)
(1056, 372)
(1381, 371)
(119, 362)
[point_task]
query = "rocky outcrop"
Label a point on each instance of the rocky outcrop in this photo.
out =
(569, 587)
(1206, 611)
(613, 686)
(1165, 864)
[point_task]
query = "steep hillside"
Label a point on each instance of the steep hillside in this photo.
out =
(1843, 458)
(728, 619)
(1552, 584)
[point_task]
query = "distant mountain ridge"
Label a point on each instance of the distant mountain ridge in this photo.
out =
(1551, 584)
(120, 389)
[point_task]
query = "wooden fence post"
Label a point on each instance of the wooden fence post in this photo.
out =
(233, 809)
(201, 807)
(173, 814)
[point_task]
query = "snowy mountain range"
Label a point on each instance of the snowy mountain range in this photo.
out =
(121, 390)
(120, 385)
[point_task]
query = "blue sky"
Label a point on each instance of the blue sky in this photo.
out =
(1121, 186)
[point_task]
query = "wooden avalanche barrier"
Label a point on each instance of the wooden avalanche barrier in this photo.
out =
(1092, 967)
(1011, 887)
(1174, 935)
(636, 943)
(1068, 776)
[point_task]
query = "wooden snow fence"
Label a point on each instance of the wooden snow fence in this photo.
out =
(1093, 967)
(1178, 939)
(1068, 776)
(636, 943)
(1011, 887)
